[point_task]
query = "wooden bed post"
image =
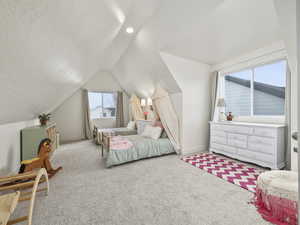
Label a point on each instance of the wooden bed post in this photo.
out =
(106, 139)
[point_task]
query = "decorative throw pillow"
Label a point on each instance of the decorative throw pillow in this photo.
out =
(141, 124)
(158, 124)
(152, 132)
(131, 125)
(147, 131)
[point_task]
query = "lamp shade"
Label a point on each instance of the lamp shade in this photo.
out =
(143, 102)
(221, 102)
(149, 101)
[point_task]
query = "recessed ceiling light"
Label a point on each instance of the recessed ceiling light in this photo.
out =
(129, 30)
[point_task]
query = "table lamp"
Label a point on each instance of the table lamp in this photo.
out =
(221, 105)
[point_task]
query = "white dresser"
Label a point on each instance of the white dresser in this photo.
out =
(262, 144)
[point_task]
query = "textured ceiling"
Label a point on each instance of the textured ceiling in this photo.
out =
(209, 31)
(50, 48)
(215, 31)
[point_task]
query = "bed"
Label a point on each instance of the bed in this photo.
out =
(99, 132)
(123, 149)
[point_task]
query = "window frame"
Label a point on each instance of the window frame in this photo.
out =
(104, 92)
(252, 116)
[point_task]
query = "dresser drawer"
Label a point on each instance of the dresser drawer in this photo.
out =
(218, 133)
(237, 140)
(256, 156)
(224, 148)
(220, 127)
(232, 128)
(219, 140)
(265, 132)
(262, 144)
(242, 129)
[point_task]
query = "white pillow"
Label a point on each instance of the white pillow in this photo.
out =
(147, 131)
(152, 132)
(131, 125)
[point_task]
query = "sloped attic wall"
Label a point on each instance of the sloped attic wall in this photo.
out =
(48, 52)
(50, 48)
(69, 115)
(140, 70)
(207, 31)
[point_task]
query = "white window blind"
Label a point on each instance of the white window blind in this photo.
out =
(257, 91)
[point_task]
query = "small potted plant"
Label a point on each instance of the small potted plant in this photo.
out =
(44, 118)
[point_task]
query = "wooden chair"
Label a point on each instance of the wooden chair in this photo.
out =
(8, 204)
(18, 183)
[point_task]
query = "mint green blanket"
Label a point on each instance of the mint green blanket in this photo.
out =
(142, 148)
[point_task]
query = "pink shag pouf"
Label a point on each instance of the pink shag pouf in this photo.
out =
(276, 197)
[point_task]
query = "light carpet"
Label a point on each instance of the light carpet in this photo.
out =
(157, 191)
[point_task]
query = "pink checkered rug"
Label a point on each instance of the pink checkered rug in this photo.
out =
(234, 172)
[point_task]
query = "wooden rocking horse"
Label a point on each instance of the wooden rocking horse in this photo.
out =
(42, 161)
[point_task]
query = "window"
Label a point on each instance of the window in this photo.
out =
(102, 105)
(238, 93)
(258, 91)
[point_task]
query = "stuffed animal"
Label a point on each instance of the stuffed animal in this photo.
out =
(42, 161)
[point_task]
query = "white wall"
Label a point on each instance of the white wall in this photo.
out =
(10, 145)
(68, 118)
(286, 13)
(69, 115)
(194, 80)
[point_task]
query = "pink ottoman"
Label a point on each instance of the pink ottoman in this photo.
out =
(277, 197)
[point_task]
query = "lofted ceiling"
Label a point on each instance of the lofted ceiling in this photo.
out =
(209, 31)
(50, 48)
(215, 31)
